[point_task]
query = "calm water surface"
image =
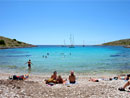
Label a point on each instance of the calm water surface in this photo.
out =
(89, 59)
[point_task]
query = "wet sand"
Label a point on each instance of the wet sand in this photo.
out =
(35, 87)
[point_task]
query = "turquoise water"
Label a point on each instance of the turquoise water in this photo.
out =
(63, 59)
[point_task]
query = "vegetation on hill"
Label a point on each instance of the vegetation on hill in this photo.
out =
(124, 42)
(12, 43)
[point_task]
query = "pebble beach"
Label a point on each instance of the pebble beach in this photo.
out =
(35, 87)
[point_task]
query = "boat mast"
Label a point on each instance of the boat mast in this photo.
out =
(83, 44)
(71, 41)
(64, 43)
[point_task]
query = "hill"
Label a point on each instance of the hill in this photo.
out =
(123, 42)
(12, 43)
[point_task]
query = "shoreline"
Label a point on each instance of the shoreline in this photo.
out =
(87, 73)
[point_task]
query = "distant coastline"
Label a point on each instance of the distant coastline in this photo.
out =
(7, 43)
(123, 42)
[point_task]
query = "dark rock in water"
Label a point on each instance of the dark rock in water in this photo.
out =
(114, 55)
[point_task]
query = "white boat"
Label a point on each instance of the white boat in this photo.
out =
(83, 44)
(71, 42)
(64, 44)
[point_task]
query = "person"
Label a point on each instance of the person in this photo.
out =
(124, 77)
(72, 77)
(21, 77)
(126, 84)
(60, 80)
(53, 78)
(48, 54)
(97, 80)
(29, 64)
(94, 80)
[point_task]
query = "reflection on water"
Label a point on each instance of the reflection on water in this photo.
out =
(29, 70)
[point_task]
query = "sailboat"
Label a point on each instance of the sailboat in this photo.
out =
(71, 42)
(83, 44)
(64, 44)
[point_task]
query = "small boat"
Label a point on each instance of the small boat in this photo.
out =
(83, 44)
(71, 42)
(64, 44)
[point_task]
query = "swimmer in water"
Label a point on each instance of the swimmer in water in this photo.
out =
(29, 64)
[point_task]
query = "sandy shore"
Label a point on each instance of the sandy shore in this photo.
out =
(34, 87)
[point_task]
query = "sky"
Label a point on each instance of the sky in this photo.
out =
(50, 22)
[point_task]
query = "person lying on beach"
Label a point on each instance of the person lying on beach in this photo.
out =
(124, 77)
(21, 77)
(94, 80)
(97, 80)
(72, 77)
(52, 79)
(126, 84)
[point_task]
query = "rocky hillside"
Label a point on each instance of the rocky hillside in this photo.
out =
(123, 42)
(12, 43)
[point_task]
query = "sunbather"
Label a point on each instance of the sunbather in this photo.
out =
(21, 77)
(124, 77)
(94, 80)
(127, 84)
(53, 78)
(123, 88)
(97, 80)
(60, 80)
(72, 78)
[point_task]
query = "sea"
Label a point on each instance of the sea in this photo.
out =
(49, 58)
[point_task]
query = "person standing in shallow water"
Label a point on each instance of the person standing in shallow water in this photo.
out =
(29, 64)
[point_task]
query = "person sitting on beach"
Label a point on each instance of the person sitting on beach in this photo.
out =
(52, 79)
(126, 84)
(21, 77)
(72, 78)
(54, 76)
(60, 80)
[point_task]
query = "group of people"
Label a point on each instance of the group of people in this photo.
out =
(122, 77)
(59, 80)
(72, 79)
(54, 79)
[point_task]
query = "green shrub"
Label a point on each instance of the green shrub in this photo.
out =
(14, 40)
(2, 42)
(19, 42)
